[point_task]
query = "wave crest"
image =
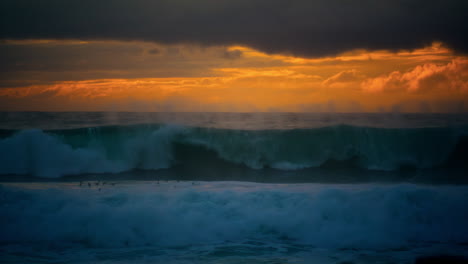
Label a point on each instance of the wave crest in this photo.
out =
(122, 148)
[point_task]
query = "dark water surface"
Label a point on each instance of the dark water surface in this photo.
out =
(232, 187)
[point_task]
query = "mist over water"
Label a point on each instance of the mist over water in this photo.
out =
(247, 121)
(232, 187)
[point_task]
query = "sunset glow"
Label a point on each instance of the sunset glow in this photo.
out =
(155, 77)
(233, 131)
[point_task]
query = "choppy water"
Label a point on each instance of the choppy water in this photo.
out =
(230, 222)
(232, 187)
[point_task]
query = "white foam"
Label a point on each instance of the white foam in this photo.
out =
(352, 216)
(37, 153)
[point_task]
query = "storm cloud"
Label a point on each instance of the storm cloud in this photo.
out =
(300, 28)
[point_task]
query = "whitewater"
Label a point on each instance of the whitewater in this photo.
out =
(232, 188)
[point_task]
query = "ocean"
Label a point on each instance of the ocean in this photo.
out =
(95, 187)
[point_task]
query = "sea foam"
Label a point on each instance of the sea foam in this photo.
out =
(179, 214)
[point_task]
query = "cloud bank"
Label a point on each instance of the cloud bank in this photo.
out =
(300, 27)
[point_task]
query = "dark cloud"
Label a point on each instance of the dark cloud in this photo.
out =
(304, 27)
(24, 63)
(232, 54)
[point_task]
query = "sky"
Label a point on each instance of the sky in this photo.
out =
(234, 55)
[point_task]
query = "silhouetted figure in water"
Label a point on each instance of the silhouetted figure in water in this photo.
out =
(97, 183)
(81, 183)
(89, 185)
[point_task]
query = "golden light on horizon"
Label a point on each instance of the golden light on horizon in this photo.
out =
(354, 81)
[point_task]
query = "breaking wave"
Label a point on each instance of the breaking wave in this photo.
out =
(114, 149)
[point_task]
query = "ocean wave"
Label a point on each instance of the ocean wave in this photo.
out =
(361, 216)
(115, 149)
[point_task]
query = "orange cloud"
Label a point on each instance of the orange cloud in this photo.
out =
(344, 77)
(239, 79)
(452, 77)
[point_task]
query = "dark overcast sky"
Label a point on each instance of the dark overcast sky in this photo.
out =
(302, 28)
